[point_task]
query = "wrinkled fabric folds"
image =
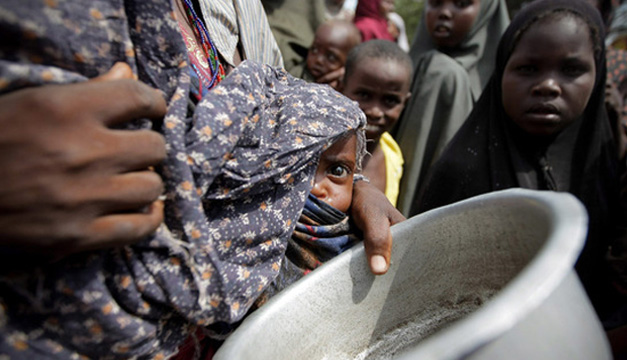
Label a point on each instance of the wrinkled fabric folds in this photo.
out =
(237, 175)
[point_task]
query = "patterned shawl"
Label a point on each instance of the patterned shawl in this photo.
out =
(322, 233)
(237, 175)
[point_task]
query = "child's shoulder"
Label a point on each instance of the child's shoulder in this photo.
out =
(440, 72)
(438, 63)
(388, 142)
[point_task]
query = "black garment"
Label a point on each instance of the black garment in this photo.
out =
(489, 153)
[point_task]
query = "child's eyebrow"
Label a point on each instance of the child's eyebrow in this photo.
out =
(343, 159)
(574, 59)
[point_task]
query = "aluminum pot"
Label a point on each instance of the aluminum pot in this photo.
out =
(490, 277)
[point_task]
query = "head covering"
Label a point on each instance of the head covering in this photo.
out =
(488, 154)
(238, 170)
(398, 21)
(370, 22)
(476, 53)
(444, 88)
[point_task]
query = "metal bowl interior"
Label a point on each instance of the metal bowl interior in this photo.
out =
(487, 278)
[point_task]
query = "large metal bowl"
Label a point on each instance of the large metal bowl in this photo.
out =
(487, 278)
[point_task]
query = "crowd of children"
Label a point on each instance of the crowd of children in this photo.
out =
(266, 176)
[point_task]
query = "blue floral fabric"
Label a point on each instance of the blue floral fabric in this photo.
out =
(322, 232)
(237, 175)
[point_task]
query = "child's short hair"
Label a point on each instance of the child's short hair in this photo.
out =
(352, 32)
(376, 49)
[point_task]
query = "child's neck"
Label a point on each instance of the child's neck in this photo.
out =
(374, 165)
(373, 144)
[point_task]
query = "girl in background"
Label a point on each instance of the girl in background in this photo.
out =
(453, 54)
(541, 124)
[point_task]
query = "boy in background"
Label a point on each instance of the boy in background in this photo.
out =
(327, 54)
(378, 76)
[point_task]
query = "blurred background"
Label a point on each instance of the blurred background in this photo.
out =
(411, 10)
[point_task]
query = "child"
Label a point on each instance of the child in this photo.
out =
(327, 54)
(378, 74)
(541, 124)
(453, 54)
(251, 153)
(324, 229)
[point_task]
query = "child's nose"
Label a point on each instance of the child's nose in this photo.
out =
(445, 12)
(374, 112)
(549, 86)
(319, 58)
(319, 190)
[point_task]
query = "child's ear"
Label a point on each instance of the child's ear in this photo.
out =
(406, 98)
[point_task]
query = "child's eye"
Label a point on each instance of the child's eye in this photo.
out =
(391, 101)
(463, 3)
(573, 70)
(363, 95)
(339, 171)
(331, 58)
(526, 69)
(313, 50)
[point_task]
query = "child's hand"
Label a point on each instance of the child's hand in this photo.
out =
(71, 183)
(373, 214)
(333, 78)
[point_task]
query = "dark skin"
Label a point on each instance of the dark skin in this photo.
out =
(68, 184)
(327, 54)
(449, 21)
(381, 87)
(373, 214)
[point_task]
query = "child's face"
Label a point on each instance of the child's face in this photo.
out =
(449, 21)
(381, 87)
(334, 176)
(386, 7)
(329, 49)
(550, 76)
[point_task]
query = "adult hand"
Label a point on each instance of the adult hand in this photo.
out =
(373, 214)
(69, 181)
(333, 78)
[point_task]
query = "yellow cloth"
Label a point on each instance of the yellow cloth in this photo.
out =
(393, 166)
